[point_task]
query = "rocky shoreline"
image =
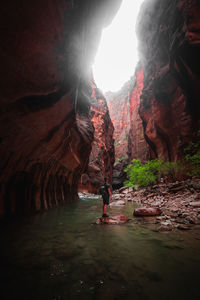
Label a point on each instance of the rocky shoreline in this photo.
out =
(179, 203)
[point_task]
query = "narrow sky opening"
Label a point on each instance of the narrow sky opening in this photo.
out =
(117, 56)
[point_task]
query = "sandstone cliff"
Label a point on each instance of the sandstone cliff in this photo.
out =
(102, 156)
(128, 134)
(169, 40)
(47, 48)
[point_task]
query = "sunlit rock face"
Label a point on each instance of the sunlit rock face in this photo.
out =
(118, 104)
(137, 146)
(169, 44)
(102, 156)
(128, 134)
(47, 48)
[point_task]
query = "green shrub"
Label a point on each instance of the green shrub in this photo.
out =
(172, 169)
(192, 157)
(142, 174)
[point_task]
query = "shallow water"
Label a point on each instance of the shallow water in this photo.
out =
(60, 255)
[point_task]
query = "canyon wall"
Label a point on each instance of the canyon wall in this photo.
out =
(169, 43)
(102, 155)
(128, 134)
(47, 49)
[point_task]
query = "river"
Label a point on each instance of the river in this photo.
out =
(61, 255)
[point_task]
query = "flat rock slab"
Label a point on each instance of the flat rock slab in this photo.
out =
(114, 220)
(147, 211)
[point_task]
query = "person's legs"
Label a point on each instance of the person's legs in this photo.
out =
(105, 205)
(105, 208)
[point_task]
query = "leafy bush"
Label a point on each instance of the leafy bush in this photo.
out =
(192, 157)
(142, 174)
(172, 169)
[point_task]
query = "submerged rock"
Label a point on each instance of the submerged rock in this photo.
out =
(147, 211)
(183, 227)
(114, 220)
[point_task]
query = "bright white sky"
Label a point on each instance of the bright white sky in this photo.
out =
(117, 57)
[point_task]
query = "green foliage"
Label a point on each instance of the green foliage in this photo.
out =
(192, 157)
(171, 169)
(142, 174)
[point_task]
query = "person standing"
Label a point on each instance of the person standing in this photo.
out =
(106, 195)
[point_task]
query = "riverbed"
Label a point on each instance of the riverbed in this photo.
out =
(62, 255)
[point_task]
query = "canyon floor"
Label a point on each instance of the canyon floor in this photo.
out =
(179, 203)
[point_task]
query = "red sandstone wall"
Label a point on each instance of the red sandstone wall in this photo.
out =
(138, 147)
(169, 43)
(102, 154)
(128, 129)
(46, 52)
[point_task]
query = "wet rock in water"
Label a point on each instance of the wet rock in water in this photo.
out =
(147, 211)
(117, 203)
(164, 227)
(183, 227)
(114, 220)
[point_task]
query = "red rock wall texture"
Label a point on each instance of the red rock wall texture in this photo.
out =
(138, 147)
(128, 134)
(118, 104)
(46, 51)
(102, 156)
(169, 44)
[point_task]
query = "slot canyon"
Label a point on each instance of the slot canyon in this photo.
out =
(60, 136)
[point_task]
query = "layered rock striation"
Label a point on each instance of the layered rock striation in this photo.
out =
(102, 155)
(169, 41)
(129, 137)
(47, 48)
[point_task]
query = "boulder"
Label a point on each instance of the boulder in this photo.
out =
(147, 211)
(114, 220)
(165, 228)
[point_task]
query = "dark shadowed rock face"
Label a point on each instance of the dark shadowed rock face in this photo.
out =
(169, 44)
(102, 155)
(46, 51)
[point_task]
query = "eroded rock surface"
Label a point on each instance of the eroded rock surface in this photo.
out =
(47, 48)
(169, 41)
(128, 134)
(102, 155)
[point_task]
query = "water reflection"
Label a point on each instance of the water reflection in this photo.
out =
(61, 255)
